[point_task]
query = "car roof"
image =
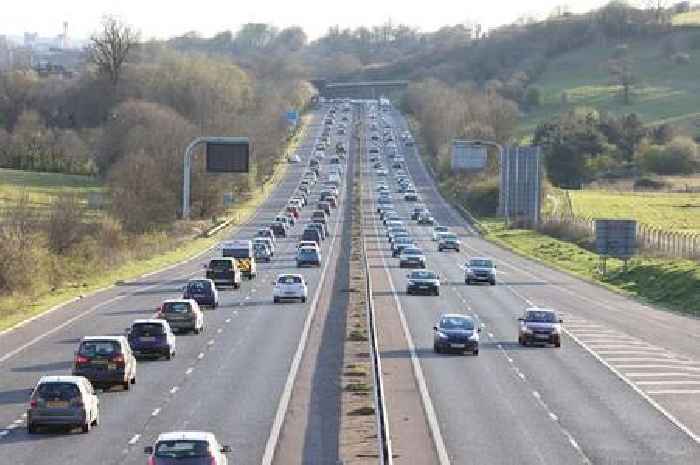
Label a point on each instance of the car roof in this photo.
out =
(540, 309)
(62, 379)
(479, 258)
(172, 301)
(195, 280)
(291, 275)
(149, 321)
(104, 338)
(456, 315)
(186, 435)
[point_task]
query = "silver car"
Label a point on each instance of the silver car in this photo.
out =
(63, 401)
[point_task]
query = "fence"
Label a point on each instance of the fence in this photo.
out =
(650, 239)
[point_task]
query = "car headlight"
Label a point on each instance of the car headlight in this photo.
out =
(442, 335)
(526, 330)
(474, 337)
(411, 283)
(556, 330)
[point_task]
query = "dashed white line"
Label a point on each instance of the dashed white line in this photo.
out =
(674, 382)
(228, 320)
(211, 342)
(219, 331)
(174, 389)
(155, 412)
(661, 374)
(134, 439)
(200, 356)
(189, 371)
(675, 391)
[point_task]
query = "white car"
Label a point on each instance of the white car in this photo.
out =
(294, 158)
(437, 230)
(289, 287)
(188, 447)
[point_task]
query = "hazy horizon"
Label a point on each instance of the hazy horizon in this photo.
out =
(314, 16)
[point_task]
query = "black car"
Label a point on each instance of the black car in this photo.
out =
(423, 282)
(312, 234)
(279, 229)
(456, 332)
(417, 212)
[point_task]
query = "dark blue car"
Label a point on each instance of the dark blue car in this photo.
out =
(151, 338)
(202, 291)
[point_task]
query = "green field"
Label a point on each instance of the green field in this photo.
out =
(673, 284)
(689, 18)
(666, 92)
(667, 211)
(42, 188)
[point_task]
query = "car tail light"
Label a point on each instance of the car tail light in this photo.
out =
(118, 359)
(81, 359)
(212, 460)
(151, 460)
(33, 403)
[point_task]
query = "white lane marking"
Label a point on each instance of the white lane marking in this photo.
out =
(273, 438)
(134, 439)
(629, 352)
(174, 389)
(649, 359)
(200, 356)
(38, 338)
(637, 389)
(675, 391)
(630, 366)
(211, 342)
(228, 320)
(189, 371)
(664, 374)
(430, 414)
(674, 382)
(155, 412)
(219, 331)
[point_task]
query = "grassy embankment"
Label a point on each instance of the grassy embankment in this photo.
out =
(665, 93)
(41, 187)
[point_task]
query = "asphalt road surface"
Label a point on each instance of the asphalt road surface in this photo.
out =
(228, 380)
(624, 388)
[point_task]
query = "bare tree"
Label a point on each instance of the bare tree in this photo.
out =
(111, 46)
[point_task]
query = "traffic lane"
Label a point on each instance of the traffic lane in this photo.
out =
(673, 331)
(120, 416)
(484, 414)
(64, 316)
(604, 416)
(53, 353)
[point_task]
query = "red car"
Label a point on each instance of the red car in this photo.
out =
(293, 210)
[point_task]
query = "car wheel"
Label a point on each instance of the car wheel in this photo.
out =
(303, 300)
(196, 330)
(468, 282)
(85, 428)
(126, 385)
(493, 283)
(133, 380)
(96, 421)
(436, 348)
(437, 292)
(520, 341)
(475, 352)
(439, 249)
(31, 429)
(236, 285)
(457, 249)
(169, 355)
(275, 300)
(557, 343)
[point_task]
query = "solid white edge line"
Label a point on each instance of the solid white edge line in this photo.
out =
(430, 414)
(273, 438)
(632, 385)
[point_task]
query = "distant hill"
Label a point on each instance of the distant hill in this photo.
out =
(668, 90)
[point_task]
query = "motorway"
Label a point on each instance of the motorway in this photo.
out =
(229, 380)
(611, 394)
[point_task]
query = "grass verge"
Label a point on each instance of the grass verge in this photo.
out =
(671, 284)
(183, 251)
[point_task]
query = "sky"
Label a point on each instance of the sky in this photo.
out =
(162, 19)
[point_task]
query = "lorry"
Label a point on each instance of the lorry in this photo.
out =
(244, 253)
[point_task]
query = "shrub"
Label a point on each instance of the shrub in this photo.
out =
(648, 183)
(482, 198)
(677, 157)
(533, 97)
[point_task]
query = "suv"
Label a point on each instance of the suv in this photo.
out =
(203, 291)
(105, 361)
(182, 315)
(448, 241)
(480, 269)
(187, 447)
(224, 271)
(151, 337)
(63, 401)
(540, 325)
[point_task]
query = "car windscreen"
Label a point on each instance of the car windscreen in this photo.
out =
(480, 263)
(541, 317)
(412, 252)
(198, 286)
(182, 449)
(457, 323)
(220, 265)
(450, 237)
(58, 391)
(147, 329)
(289, 280)
(241, 252)
(308, 252)
(422, 275)
(176, 307)
(98, 348)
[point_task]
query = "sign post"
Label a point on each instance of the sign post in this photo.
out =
(615, 238)
(224, 155)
